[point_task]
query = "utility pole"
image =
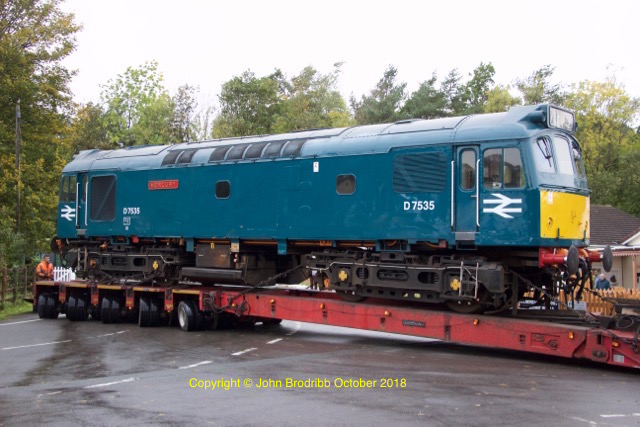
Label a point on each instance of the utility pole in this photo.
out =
(18, 140)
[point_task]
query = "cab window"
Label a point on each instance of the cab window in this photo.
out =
(543, 155)
(564, 155)
(68, 189)
(502, 168)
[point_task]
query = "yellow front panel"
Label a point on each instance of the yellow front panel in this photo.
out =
(568, 213)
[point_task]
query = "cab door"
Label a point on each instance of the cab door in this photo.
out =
(465, 193)
(81, 203)
(67, 205)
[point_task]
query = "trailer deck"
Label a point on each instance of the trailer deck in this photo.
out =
(555, 334)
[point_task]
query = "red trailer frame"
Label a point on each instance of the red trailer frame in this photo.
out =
(609, 347)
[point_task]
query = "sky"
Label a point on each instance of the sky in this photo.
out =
(207, 42)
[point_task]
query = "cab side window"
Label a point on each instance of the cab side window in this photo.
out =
(502, 168)
(68, 189)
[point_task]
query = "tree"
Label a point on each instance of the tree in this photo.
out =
(606, 115)
(35, 36)
(184, 107)
(477, 88)
(383, 103)
(537, 89)
(499, 99)
(312, 100)
(248, 105)
(454, 93)
(138, 108)
(427, 102)
(88, 129)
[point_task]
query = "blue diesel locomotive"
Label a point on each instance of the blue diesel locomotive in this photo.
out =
(468, 211)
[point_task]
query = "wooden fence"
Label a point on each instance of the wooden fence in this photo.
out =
(597, 305)
(15, 283)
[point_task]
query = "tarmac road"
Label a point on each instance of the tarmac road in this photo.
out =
(87, 373)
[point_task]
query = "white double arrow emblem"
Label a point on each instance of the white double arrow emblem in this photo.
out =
(503, 203)
(68, 213)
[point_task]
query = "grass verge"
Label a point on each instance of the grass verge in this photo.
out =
(11, 310)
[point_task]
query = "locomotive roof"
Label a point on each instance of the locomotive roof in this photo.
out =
(517, 123)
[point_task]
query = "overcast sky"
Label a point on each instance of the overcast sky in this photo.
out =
(206, 42)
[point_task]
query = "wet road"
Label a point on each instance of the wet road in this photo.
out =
(59, 373)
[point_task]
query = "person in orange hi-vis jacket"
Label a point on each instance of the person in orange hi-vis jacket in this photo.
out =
(44, 270)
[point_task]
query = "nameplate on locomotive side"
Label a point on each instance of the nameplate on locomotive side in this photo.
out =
(166, 184)
(413, 323)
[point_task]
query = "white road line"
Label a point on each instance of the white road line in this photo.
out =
(243, 351)
(296, 329)
(128, 380)
(35, 345)
(112, 333)
(613, 416)
(17, 323)
(593, 423)
(274, 341)
(206, 362)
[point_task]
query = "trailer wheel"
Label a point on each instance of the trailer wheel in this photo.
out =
(51, 311)
(42, 306)
(186, 315)
(82, 312)
(154, 312)
(115, 310)
(143, 312)
(105, 309)
(272, 322)
(71, 308)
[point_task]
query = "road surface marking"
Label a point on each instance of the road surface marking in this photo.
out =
(128, 380)
(35, 345)
(206, 362)
(243, 351)
(112, 333)
(23, 321)
(274, 341)
(613, 416)
(296, 329)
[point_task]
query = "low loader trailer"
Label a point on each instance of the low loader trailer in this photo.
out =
(606, 340)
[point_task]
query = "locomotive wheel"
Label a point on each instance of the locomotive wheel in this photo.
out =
(471, 306)
(350, 296)
(186, 315)
(143, 312)
(71, 308)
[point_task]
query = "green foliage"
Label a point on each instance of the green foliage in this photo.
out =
(184, 104)
(138, 109)
(454, 93)
(477, 88)
(611, 147)
(537, 89)
(35, 36)
(248, 105)
(428, 102)
(274, 104)
(499, 99)
(88, 130)
(312, 100)
(383, 103)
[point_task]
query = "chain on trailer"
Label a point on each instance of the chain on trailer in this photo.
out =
(239, 309)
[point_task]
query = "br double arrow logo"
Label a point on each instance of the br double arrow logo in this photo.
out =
(503, 205)
(68, 213)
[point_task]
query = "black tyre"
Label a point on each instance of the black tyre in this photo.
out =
(51, 310)
(82, 308)
(115, 313)
(71, 308)
(272, 322)
(42, 306)
(105, 309)
(143, 312)
(186, 315)
(154, 312)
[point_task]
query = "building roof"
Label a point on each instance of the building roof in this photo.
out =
(611, 226)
